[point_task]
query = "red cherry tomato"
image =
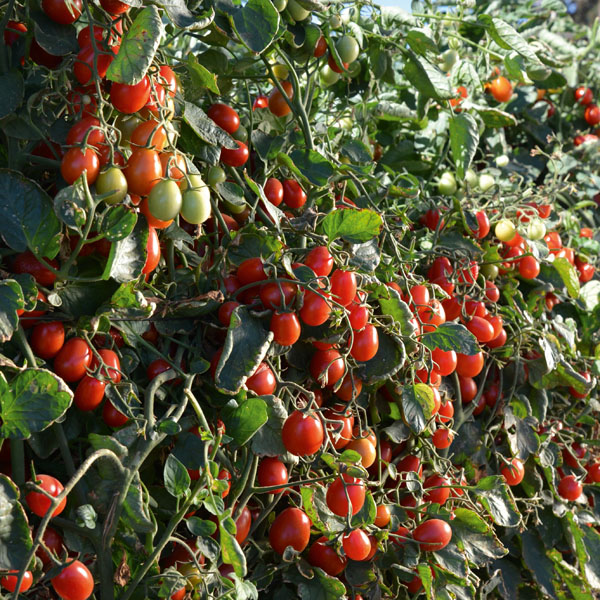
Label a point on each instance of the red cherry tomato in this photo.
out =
(271, 294)
(26, 262)
(89, 393)
(592, 115)
(444, 362)
(320, 261)
(273, 189)
(570, 488)
(302, 434)
(9, 582)
(61, 12)
(112, 417)
(514, 472)
(357, 545)
(129, 99)
(271, 471)
(439, 489)
(277, 103)
(365, 344)
(442, 438)
(262, 382)
(260, 102)
(286, 328)
(343, 286)
(152, 252)
(236, 157)
(143, 171)
(327, 367)
(469, 366)
(342, 488)
(501, 89)
(583, 95)
(78, 160)
(325, 557)
(47, 339)
(529, 267)
(291, 527)
(293, 195)
(114, 7)
(481, 328)
(75, 582)
(315, 309)
(483, 223)
(433, 535)
(252, 270)
(38, 503)
(73, 359)
(224, 116)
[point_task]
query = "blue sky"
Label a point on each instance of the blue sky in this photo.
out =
(405, 4)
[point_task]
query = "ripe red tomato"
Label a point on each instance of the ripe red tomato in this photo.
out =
(570, 488)
(325, 557)
(442, 438)
(271, 471)
(262, 382)
(320, 47)
(13, 31)
(293, 194)
(243, 524)
(529, 267)
(38, 503)
(9, 582)
(334, 66)
(320, 261)
(351, 388)
(438, 489)
(260, 102)
(156, 367)
(225, 311)
(87, 127)
(315, 309)
(53, 541)
(514, 472)
(482, 329)
(327, 367)
(583, 95)
(273, 189)
(586, 270)
(75, 582)
(384, 516)
(593, 470)
(149, 134)
(286, 328)
(112, 365)
(112, 417)
(47, 339)
(26, 262)
(592, 115)
(433, 535)
(76, 161)
(89, 393)
(340, 430)
(358, 316)
(468, 389)
(483, 225)
(446, 411)
(432, 315)
(343, 286)
(469, 366)
(114, 7)
(152, 252)
(444, 362)
(83, 69)
(501, 89)
(236, 157)
(337, 501)
(129, 99)
(61, 12)
(291, 527)
(271, 294)
(143, 171)
(492, 293)
(73, 359)
(365, 343)
(277, 103)
(168, 80)
(302, 434)
(251, 270)
(224, 116)
(357, 545)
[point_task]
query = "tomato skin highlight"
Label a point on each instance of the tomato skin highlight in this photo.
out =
(40, 504)
(75, 582)
(302, 435)
(433, 535)
(9, 582)
(291, 527)
(514, 472)
(73, 359)
(336, 495)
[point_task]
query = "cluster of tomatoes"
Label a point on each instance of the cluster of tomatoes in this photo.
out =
(584, 96)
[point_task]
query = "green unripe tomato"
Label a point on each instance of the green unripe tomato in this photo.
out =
(126, 125)
(164, 201)
(347, 48)
(279, 4)
(505, 230)
(335, 22)
(449, 58)
(112, 180)
(447, 184)
(297, 12)
(486, 182)
(489, 271)
(536, 229)
(195, 205)
(354, 69)
(328, 76)
(454, 43)
(471, 179)
(502, 160)
(241, 134)
(215, 176)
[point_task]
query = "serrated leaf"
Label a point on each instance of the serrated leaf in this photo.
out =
(495, 496)
(138, 47)
(353, 225)
(201, 77)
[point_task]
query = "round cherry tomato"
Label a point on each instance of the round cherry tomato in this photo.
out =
(76, 161)
(302, 434)
(225, 311)
(343, 286)
(9, 582)
(325, 557)
(342, 488)
(291, 527)
(315, 309)
(570, 488)
(367, 451)
(514, 472)
(38, 503)
(481, 329)
(88, 129)
(501, 89)
(384, 516)
(286, 328)
(271, 471)
(112, 417)
(114, 7)
(273, 189)
(83, 69)
(252, 270)
(583, 95)
(339, 429)
(347, 48)
(483, 225)
(53, 541)
(433, 535)
(468, 389)
(271, 294)
(174, 167)
(358, 316)
(277, 103)
(469, 366)
(89, 393)
(13, 31)
(442, 438)
(47, 339)
(357, 545)
(26, 262)
(75, 582)
(351, 388)
(444, 362)
(327, 367)
(320, 261)
(433, 315)
(320, 47)
(446, 411)
(73, 359)
(149, 134)
(129, 99)
(236, 157)
(260, 102)
(293, 194)
(143, 171)
(224, 116)
(62, 12)
(441, 489)
(164, 200)
(262, 382)
(592, 115)
(529, 267)
(365, 344)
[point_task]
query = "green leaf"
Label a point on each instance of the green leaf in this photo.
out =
(176, 477)
(138, 48)
(451, 336)
(205, 128)
(200, 527)
(245, 347)
(232, 552)
(420, 42)
(27, 218)
(426, 77)
(201, 77)
(313, 166)
(537, 561)
(15, 535)
(495, 118)
(321, 587)
(591, 540)
(70, 206)
(81, 299)
(568, 274)
(181, 16)
(417, 405)
(356, 151)
(189, 451)
(464, 139)
(128, 256)
(256, 24)
(252, 243)
(267, 440)
(495, 496)
(392, 305)
(267, 146)
(136, 512)
(32, 402)
(118, 222)
(53, 37)
(389, 359)
(353, 225)
(11, 88)
(475, 538)
(11, 300)
(244, 420)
